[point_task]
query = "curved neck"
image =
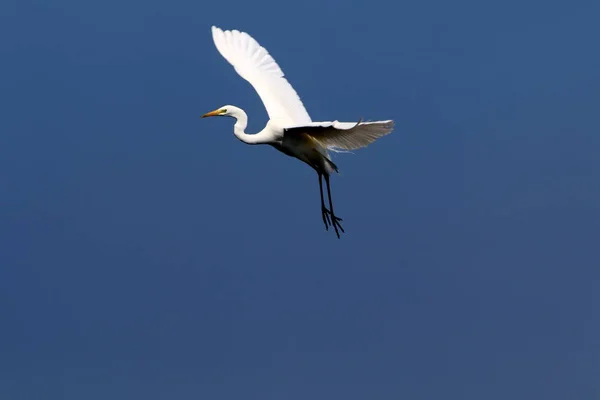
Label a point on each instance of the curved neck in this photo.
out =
(240, 125)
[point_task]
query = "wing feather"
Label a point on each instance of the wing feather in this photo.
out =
(344, 135)
(254, 63)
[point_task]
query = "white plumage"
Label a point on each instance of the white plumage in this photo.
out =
(345, 135)
(290, 128)
(254, 63)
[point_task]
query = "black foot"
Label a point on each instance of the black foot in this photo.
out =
(329, 219)
(326, 220)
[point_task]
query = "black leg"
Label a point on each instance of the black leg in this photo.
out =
(324, 210)
(335, 220)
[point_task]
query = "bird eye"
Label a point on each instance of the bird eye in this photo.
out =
(223, 110)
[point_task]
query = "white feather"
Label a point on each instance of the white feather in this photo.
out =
(344, 135)
(253, 63)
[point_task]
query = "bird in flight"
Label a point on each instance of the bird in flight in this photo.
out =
(290, 129)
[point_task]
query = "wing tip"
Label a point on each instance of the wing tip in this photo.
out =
(216, 32)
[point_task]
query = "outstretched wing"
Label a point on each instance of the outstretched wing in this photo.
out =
(344, 135)
(253, 63)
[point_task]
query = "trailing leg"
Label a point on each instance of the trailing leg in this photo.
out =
(335, 221)
(324, 210)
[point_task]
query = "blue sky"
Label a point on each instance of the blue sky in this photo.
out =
(146, 253)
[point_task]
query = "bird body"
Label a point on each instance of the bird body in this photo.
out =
(290, 129)
(298, 145)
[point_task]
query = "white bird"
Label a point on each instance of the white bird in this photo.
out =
(290, 129)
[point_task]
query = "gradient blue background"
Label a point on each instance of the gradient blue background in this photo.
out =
(147, 254)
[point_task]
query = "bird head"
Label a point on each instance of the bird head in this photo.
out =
(224, 111)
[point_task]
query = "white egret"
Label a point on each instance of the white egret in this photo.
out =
(290, 129)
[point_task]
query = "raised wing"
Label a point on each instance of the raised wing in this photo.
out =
(253, 63)
(344, 135)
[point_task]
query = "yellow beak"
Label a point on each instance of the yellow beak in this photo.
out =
(212, 114)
